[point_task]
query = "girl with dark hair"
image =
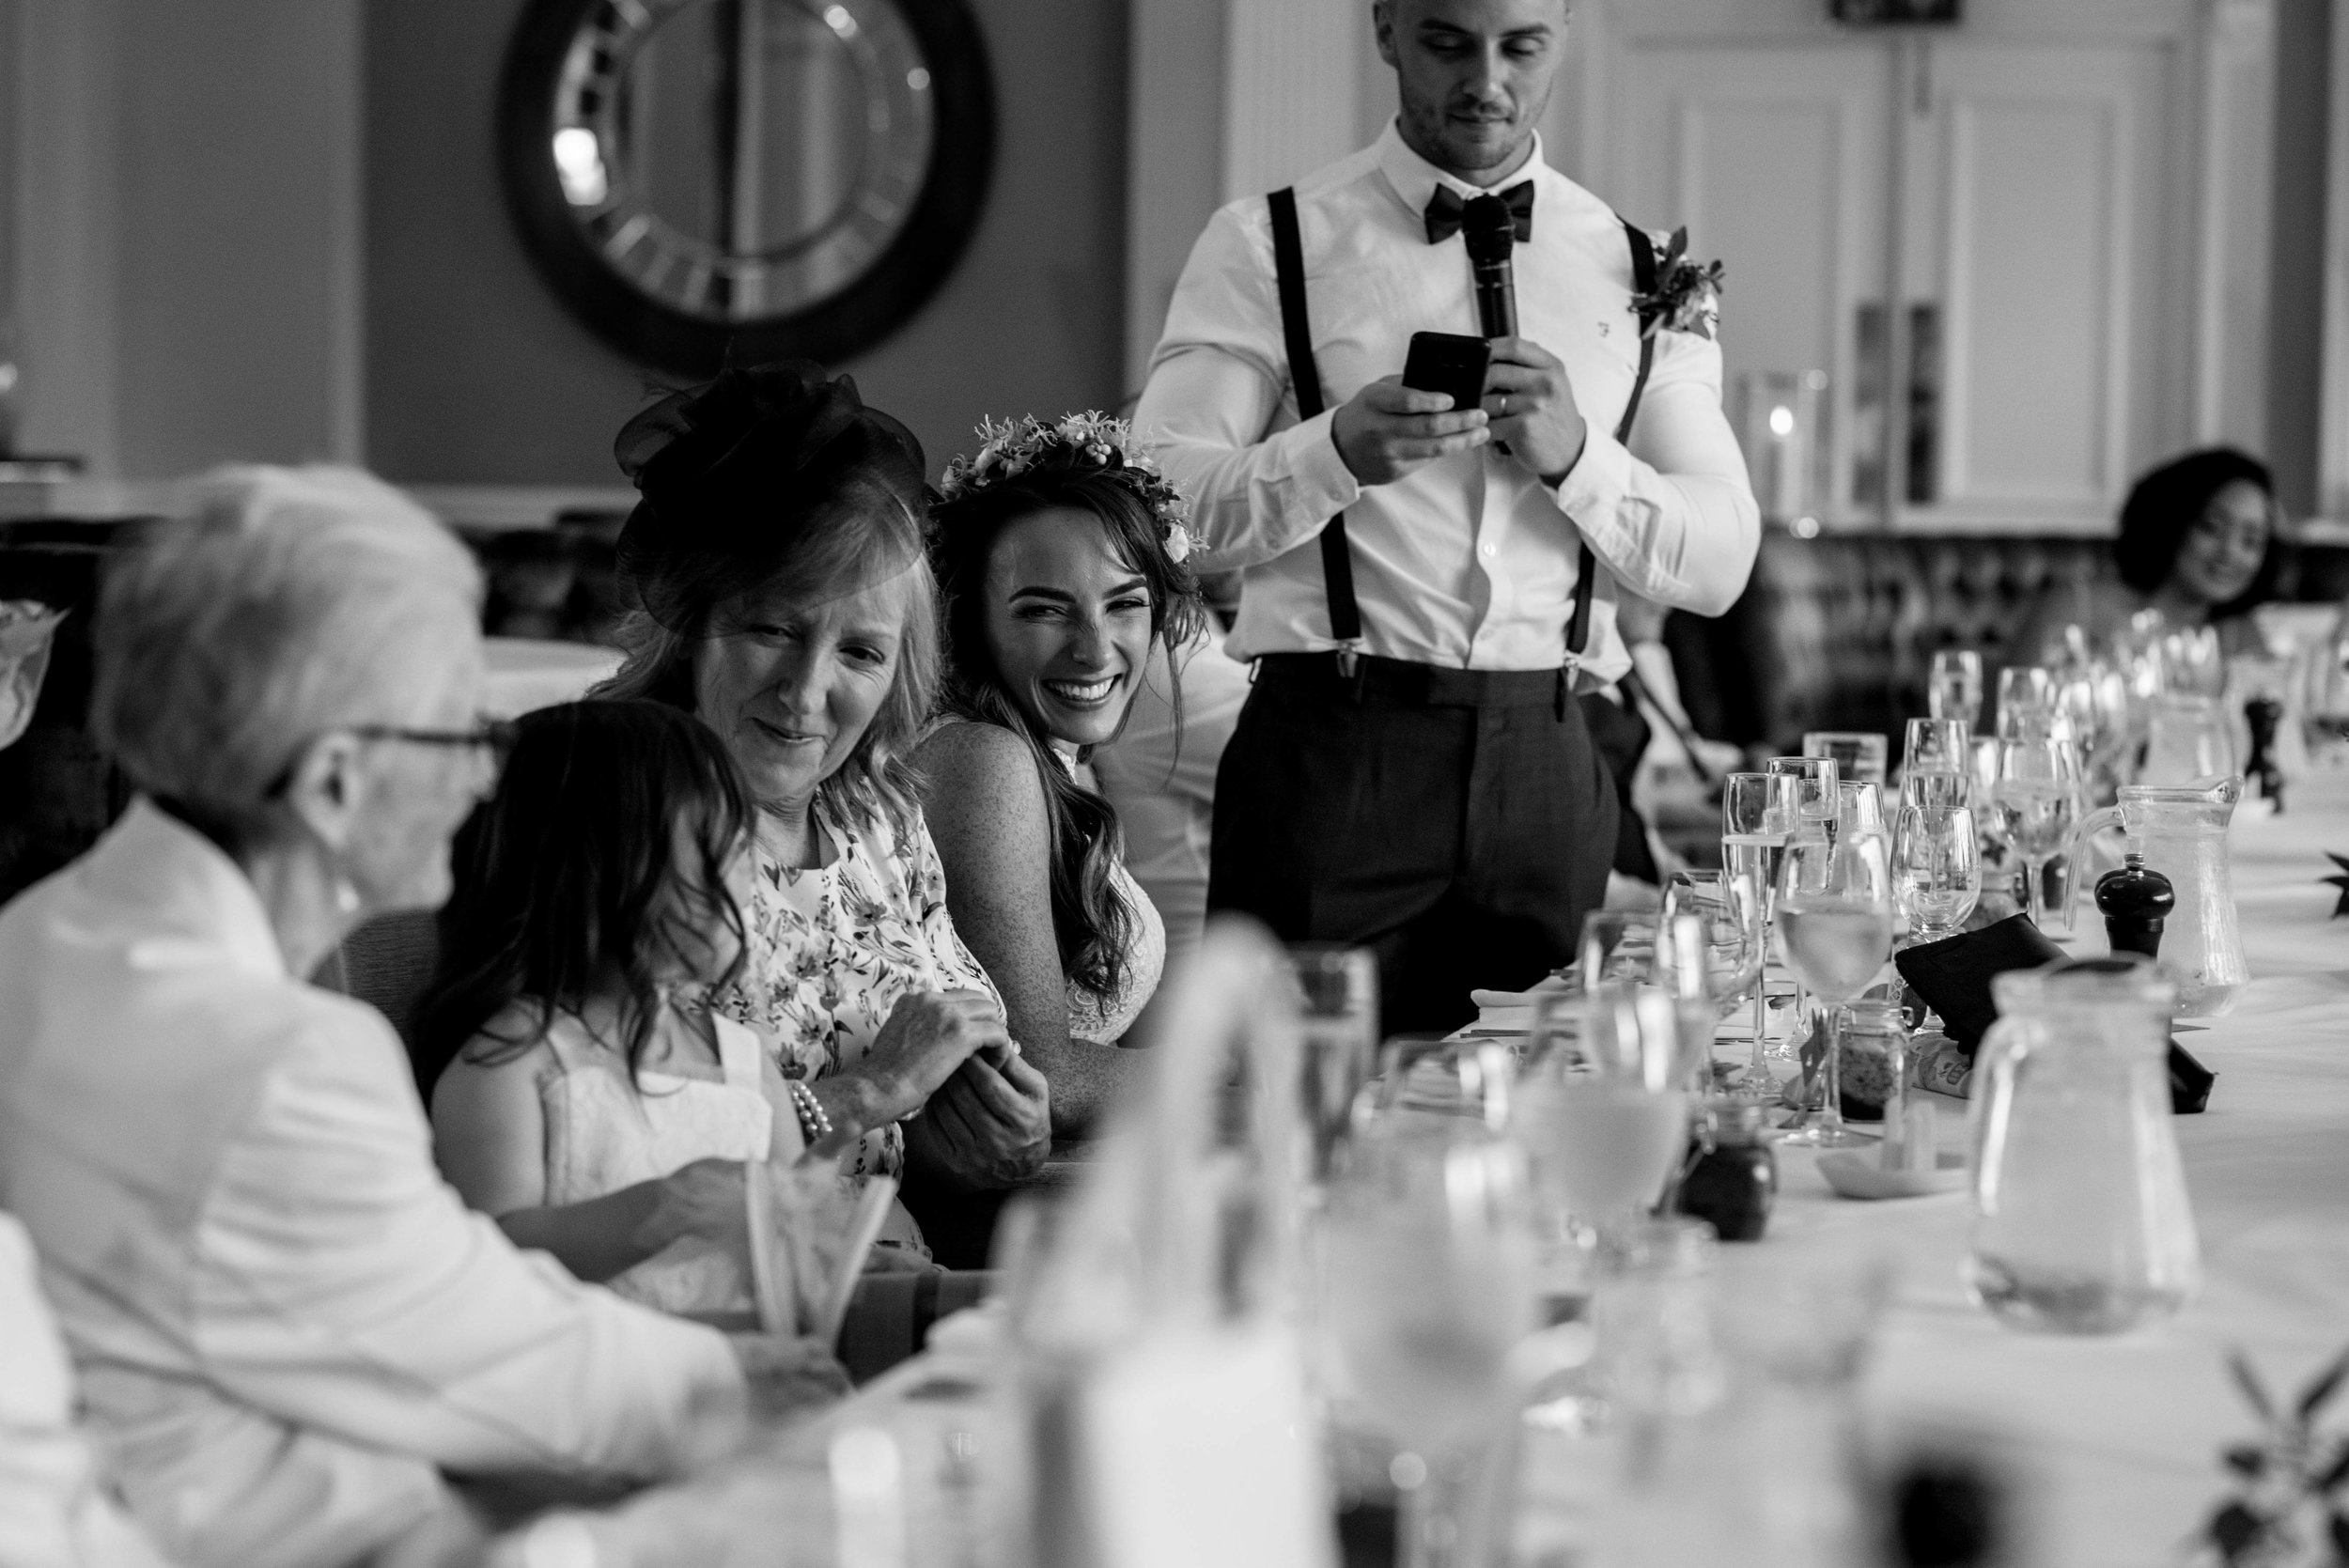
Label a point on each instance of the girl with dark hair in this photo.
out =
(586, 1094)
(1062, 556)
(2197, 542)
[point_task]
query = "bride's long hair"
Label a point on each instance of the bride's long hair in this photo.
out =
(1092, 921)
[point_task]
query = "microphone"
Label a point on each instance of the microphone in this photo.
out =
(1491, 231)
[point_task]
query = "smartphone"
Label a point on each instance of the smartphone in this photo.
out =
(1448, 362)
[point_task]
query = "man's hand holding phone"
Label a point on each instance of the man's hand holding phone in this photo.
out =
(1388, 430)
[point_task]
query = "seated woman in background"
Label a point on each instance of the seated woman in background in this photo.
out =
(1062, 554)
(591, 1101)
(2197, 543)
(285, 1324)
(787, 603)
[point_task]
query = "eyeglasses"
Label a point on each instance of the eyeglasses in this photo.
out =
(492, 737)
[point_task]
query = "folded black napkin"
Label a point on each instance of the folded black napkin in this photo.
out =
(1954, 975)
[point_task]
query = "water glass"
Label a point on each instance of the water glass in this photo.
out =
(2033, 804)
(1859, 755)
(1606, 1123)
(1835, 916)
(1338, 1044)
(1936, 869)
(2188, 742)
(1811, 793)
(1430, 1288)
(1956, 689)
(1858, 808)
(2025, 697)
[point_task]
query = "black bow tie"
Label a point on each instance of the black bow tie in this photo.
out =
(1445, 207)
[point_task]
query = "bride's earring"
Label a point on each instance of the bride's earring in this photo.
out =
(346, 895)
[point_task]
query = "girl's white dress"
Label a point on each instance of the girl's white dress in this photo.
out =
(604, 1133)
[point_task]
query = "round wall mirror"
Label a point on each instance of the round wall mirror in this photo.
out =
(764, 177)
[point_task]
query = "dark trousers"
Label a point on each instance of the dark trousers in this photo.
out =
(1457, 823)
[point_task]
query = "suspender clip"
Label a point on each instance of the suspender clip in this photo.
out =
(1350, 659)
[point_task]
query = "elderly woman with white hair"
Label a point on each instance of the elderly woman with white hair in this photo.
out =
(286, 1328)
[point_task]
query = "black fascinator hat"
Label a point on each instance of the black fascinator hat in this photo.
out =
(769, 473)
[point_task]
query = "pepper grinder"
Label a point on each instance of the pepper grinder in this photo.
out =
(2136, 900)
(2263, 714)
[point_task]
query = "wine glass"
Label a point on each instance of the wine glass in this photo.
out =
(1955, 688)
(1936, 868)
(1430, 1289)
(1933, 746)
(1835, 916)
(2033, 804)
(2026, 700)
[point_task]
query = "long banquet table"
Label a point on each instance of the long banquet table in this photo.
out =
(2119, 1437)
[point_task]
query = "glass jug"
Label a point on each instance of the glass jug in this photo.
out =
(2183, 835)
(2081, 1223)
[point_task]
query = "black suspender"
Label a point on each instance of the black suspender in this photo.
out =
(1586, 565)
(1337, 561)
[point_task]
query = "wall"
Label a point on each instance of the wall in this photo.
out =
(2297, 285)
(475, 375)
(187, 235)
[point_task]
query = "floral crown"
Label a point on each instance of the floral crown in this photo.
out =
(1089, 438)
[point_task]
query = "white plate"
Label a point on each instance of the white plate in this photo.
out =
(1855, 1173)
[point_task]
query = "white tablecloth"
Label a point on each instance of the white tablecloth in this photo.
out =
(2124, 1434)
(2117, 1438)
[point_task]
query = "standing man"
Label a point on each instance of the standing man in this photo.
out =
(1412, 773)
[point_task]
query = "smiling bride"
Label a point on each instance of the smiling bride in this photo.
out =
(1061, 551)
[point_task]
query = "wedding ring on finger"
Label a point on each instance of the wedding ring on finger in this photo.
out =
(1504, 405)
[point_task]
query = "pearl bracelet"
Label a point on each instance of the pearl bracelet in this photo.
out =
(815, 1124)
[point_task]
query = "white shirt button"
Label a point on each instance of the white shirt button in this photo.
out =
(1486, 550)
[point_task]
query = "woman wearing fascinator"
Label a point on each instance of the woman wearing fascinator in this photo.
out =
(785, 599)
(1062, 556)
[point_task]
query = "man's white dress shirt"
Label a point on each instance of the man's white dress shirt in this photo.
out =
(283, 1322)
(1468, 562)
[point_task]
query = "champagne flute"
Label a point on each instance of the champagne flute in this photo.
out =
(1430, 1289)
(1757, 812)
(1956, 689)
(1936, 868)
(2032, 807)
(1835, 914)
(1735, 936)
(1338, 1040)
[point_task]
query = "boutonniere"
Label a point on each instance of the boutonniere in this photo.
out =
(1687, 294)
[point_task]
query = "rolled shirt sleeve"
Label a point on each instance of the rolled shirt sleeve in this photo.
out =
(1672, 514)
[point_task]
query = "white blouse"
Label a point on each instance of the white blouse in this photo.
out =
(284, 1323)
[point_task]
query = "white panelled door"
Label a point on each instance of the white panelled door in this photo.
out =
(2039, 260)
(1774, 155)
(2047, 181)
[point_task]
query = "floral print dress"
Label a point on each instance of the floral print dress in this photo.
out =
(830, 952)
